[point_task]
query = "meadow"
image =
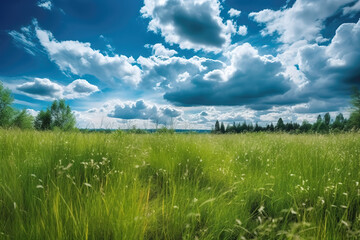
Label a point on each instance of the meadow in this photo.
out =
(57, 185)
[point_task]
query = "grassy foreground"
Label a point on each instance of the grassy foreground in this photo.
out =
(57, 185)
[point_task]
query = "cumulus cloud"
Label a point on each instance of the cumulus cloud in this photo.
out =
(32, 112)
(242, 30)
(45, 89)
(191, 24)
(45, 4)
(165, 72)
(145, 111)
(160, 51)
(303, 21)
(79, 58)
(249, 78)
(332, 70)
(234, 13)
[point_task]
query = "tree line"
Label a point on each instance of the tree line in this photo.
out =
(57, 116)
(323, 124)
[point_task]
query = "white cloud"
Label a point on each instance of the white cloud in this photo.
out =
(80, 59)
(249, 78)
(77, 57)
(144, 111)
(26, 38)
(191, 24)
(45, 4)
(334, 66)
(234, 13)
(352, 9)
(163, 72)
(303, 21)
(242, 30)
(160, 51)
(45, 89)
(32, 112)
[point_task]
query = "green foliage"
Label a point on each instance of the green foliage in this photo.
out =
(280, 126)
(354, 119)
(217, 127)
(10, 117)
(23, 120)
(6, 111)
(61, 116)
(43, 120)
(222, 128)
(69, 185)
(339, 122)
(58, 116)
(165, 130)
(135, 130)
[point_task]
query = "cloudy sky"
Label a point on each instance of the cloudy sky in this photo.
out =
(181, 63)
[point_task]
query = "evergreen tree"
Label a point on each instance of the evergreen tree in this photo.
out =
(217, 127)
(222, 128)
(280, 126)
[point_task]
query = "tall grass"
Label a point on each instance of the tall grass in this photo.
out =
(56, 185)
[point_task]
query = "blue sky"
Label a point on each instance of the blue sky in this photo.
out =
(181, 63)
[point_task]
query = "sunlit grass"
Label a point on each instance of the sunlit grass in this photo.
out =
(56, 185)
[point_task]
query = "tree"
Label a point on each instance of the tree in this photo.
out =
(222, 128)
(280, 125)
(6, 111)
(327, 119)
(339, 122)
(354, 120)
(23, 120)
(217, 126)
(43, 120)
(305, 126)
(59, 115)
(271, 127)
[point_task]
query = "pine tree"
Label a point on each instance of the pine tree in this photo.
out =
(217, 127)
(280, 126)
(222, 128)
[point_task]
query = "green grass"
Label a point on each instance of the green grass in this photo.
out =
(56, 185)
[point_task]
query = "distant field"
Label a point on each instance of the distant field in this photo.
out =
(57, 185)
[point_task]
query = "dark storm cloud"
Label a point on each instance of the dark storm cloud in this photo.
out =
(249, 79)
(318, 106)
(191, 24)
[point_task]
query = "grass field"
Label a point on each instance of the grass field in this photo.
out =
(56, 185)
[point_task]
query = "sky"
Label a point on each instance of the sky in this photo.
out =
(181, 63)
